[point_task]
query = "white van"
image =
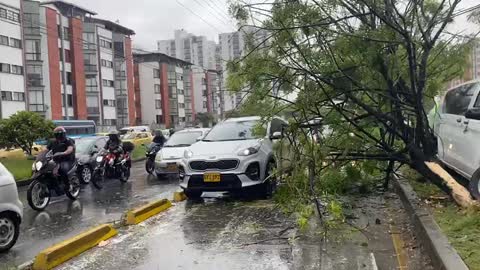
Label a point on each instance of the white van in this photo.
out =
(459, 132)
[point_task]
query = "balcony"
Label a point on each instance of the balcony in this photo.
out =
(91, 89)
(91, 68)
(120, 73)
(93, 110)
(37, 108)
(33, 56)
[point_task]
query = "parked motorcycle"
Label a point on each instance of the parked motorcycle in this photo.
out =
(150, 154)
(108, 167)
(45, 184)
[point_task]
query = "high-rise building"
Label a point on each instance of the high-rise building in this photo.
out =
(197, 50)
(207, 90)
(163, 90)
(12, 82)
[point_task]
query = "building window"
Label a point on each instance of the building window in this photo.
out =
(157, 88)
(9, 15)
(35, 99)
(3, 40)
(181, 105)
(110, 122)
(67, 56)
(66, 33)
(16, 43)
(172, 91)
(32, 50)
(105, 44)
(204, 104)
(107, 83)
(106, 63)
(89, 41)
(4, 68)
(13, 96)
(159, 119)
(109, 103)
(17, 70)
(69, 78)
(158, 104)
(156, 73)
(60, 54)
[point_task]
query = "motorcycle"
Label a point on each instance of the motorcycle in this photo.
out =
(108, 167)
(150, 154)
(45, 183)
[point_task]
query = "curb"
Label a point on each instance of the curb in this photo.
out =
(63, 251)
(142, 213)
(179, 196)
(435, 243)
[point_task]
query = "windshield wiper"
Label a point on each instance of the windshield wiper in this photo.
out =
(179, 145)
(204, 140)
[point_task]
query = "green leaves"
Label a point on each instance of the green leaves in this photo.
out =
(22, 129)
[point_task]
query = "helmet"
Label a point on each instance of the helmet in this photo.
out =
(113, 135)
(60, 133)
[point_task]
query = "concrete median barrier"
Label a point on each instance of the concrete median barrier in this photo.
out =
(142, 213)
(179, 196)
(61, 252)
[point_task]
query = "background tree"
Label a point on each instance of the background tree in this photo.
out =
(368, 69)
(204, 118)
(22, 129)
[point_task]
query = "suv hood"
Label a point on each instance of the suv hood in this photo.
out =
(172, 152)
(202, 148)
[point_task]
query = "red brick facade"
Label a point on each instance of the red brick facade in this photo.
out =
(130, 81)
(164, 94)
(78, 69)
(138, 105)
(54, 64)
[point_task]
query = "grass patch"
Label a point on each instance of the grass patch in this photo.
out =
(20, 168)
(462, 226)
(138, 152)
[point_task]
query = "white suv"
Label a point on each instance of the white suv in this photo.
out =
(11, 210)
(232, 156)
(458, 132)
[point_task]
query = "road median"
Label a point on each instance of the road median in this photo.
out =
(142, 213)
(65, 250)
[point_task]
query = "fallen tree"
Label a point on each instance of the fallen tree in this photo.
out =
(368, 69)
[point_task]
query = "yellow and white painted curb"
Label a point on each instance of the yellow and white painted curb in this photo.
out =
(63, 251)
(142, 213)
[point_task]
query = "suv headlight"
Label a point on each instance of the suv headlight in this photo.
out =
(99, 159)
(38, 165)
(249, 151)
(158, 157)
(187, 154)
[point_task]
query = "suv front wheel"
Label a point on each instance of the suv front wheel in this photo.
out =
(9, 231)
(474, 185)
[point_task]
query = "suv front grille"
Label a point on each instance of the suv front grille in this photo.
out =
(225, 164)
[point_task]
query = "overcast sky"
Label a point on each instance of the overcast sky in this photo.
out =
(157, 19)
(154, 20)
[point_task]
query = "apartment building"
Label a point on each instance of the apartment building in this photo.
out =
(206, 90)
(77, 66)
(108, 63)
(12, 82)
(163, 90)
(197, 50)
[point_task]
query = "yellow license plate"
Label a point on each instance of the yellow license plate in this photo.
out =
(211, 177)
(172, 167)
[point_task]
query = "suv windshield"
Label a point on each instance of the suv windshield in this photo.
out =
(183, 139)
(232, 131)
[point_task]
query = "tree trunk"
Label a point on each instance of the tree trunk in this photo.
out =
(459, 193)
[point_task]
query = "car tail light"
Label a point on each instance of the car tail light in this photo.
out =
(253, 171)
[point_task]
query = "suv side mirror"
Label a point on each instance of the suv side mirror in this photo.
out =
(277, 135)
(473, 114)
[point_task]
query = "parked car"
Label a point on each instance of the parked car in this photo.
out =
(86, 150)
(458, 128)
(237, 153)
(138, 138)
(126, 130)
(11, 210)
(168, 158)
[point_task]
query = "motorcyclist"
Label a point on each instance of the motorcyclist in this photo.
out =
(114, 144)
(63, 149)
(159, 138)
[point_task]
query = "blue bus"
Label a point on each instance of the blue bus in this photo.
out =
(77, 128)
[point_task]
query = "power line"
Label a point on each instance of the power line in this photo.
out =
(218, 10)
(220, 19)
(200, 17)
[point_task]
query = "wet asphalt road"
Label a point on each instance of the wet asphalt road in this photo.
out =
(219, 232)
(64, 218)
